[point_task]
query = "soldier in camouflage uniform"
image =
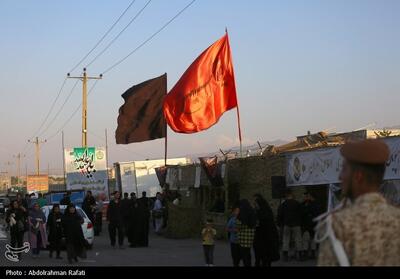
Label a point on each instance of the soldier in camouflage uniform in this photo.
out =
(365, 230)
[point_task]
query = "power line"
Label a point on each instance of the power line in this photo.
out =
(65, 80)
(150, 38)
(119, 34)
(72, 115)
(61, 108)
(103, 37)
(51, 107)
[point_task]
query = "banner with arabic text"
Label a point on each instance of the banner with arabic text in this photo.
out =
(323, 166)
(86, 169)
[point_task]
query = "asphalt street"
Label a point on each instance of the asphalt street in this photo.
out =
(161, 252)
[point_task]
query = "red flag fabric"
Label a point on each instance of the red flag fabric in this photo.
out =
(204, 92)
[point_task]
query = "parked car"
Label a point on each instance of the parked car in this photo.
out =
(87, 226)
(4, 203)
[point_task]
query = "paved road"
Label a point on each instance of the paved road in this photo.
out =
(162, 252)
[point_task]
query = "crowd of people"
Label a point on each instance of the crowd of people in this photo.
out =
(129, 217)
(252, 226)
(25, 216)
(296, 223)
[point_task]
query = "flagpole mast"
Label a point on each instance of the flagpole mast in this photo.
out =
(108, 176)
(240, 130)
(237, 103)
(166, 132)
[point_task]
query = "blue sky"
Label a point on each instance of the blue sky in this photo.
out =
(300, 65)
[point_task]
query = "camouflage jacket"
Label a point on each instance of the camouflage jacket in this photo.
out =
(369, 231)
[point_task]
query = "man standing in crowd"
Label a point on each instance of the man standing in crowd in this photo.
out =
(310, 211)
(158, 214)
(115, 219)
(126, 205)
(66, 200)
(366, 232)
(89, 206)
(289, 217)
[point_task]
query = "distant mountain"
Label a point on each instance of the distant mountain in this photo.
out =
(393, 127)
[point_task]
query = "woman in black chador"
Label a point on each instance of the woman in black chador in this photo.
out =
(266, 238)
(54, 227)
(75, 241)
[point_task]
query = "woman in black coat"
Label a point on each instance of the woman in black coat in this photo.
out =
(16, 218)
(75, 241)
(54, 228)
(266, 239)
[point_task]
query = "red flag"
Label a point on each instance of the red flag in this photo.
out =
(205, 91)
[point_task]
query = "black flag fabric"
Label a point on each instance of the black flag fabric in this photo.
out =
(212, 170)
(141, 118)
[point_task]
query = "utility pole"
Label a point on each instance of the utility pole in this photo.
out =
(8, 164)
(37, 144)
(18, 165)
(63, 153)
(26, 175)
(84, 78)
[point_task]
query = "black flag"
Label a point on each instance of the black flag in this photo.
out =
(141, 118)
(212, 170)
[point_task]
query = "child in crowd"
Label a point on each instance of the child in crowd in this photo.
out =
(208, 234)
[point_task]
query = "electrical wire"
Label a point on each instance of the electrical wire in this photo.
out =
(72, 115)
(61, 108)
(103, 37)
(51, 107)
(119, 34)
(150, 38)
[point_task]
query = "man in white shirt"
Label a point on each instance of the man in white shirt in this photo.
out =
(158, 213)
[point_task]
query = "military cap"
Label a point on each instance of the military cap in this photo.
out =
(370, 151)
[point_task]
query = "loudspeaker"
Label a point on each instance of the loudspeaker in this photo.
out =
(278, 184)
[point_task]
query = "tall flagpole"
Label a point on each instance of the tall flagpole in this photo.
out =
(237, 101)
(166, 128)
(240, 131)
(108, 178)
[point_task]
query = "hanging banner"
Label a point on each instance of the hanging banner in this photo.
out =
(37, 183)
(314, 168)
(393, 164)
(86, 169)
(323, 166)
